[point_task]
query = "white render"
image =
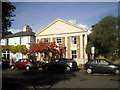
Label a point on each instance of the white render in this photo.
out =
(3, 42)
(20, 40)
(61, 28)
(24, 41)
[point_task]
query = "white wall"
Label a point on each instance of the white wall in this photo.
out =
(14, 41)
(24, 40)
(3, 42)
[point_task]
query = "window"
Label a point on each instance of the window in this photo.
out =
(56, 60)
(25, 60)
(103, 62)
(59, 40)
(46, 40)
(4, 56)
(74, 54)
(21, 60)
(94, 62)
(38, 40)
(73, 40)
(8, 56)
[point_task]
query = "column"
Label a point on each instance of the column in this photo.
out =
(81, 46)
(78, 47)
(85, 44)
(51, 39)
(38, 56)
(66, 47)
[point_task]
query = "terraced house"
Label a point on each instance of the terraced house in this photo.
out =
(66, 35)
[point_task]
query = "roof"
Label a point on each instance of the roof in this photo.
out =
(6, 33)
(74, 25)
(27, 33)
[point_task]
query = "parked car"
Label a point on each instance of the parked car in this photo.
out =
(60, 64)
(24, 63)
(5, 64)
(102, 65)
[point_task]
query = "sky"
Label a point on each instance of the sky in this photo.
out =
(40, 14)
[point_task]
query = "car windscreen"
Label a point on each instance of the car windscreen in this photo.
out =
(56, 60)
(103, 62)
(32, 61)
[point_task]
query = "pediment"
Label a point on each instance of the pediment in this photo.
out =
(60, 26)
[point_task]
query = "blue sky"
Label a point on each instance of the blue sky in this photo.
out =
(40, 14)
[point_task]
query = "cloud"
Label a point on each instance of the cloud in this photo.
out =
(81, 25)
(14, 30)
(73, 21)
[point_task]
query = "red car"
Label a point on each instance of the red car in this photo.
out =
(24, 63)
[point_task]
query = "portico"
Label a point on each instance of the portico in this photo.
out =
(71, 36)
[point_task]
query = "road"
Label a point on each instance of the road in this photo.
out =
(37, 79)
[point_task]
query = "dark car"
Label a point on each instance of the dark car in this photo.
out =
(60, 64)
(102, 65)
(5, 64)
(24, 63)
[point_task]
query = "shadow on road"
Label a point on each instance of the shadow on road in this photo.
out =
(35, 79)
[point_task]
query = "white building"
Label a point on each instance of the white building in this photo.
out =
(20, 38)
(69, 35)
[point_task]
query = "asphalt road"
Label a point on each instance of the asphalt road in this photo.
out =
(37, 79)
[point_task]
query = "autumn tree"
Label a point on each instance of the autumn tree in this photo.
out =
(46, 48)
(104, 37)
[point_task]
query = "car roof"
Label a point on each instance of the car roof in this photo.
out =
(99, 59)
(24, 58)
(63, 58)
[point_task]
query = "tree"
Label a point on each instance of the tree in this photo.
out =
(46, 48)
(7, 16)
(18, 48)
(88, 49)
(5, 48)
(15, 49)
(104, 36)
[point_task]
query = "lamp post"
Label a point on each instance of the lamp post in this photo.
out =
(93, 52)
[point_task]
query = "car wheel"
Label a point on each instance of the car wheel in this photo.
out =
(12, 67)
(117, 71)
(27, 67)
(68, 69)
(89, 70)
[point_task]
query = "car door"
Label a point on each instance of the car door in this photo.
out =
(95, 66)
(55, 64)
(17, 64)
(21, 63)
(62, 63)
(104, 66)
